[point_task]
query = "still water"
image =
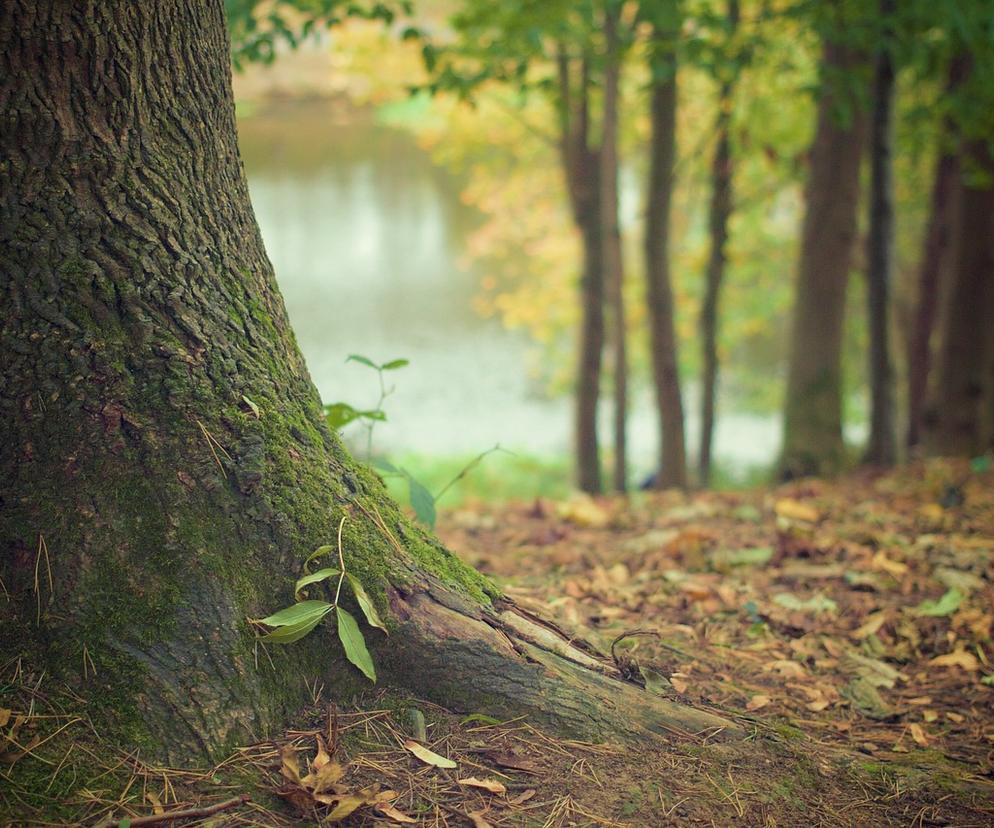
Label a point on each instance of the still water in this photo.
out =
(366, 235)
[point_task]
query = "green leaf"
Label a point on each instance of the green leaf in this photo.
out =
(365, 603)
(300, 611)
(354, 643)
(988, 680)
(981, 464)
(946, 605)
(363, 361)
(294, 632)
(479, 718)
(339, 415)
(252, 406)
(385, 465)
(394, 364)
(423, 502)
(315, 577)
(320, 552)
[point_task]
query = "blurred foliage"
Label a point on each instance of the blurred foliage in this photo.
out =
(497, 133)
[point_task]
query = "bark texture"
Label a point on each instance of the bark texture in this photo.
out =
(813, 411)
(881, 449)
(959, 418)
(659, 290)
(614, 272)
(718, 217)
(146, 509)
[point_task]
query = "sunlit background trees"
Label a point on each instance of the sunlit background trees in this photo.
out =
(688, 242)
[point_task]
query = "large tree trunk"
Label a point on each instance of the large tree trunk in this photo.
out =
(881, 450)
(934, 264)
(959, 418)
(813, 411)
(147, 509)
(614, 275)
(718, 218)
(659, 290)
(581, 168)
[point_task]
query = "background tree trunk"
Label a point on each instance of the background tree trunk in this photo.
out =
(581, 168)
(147, 509)
(934, 264)
(719, 215)
(958, 420)
(813, 411)
(614, 275)
(881, 449)
(659, 290)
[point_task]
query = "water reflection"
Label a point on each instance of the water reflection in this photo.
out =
(365, 234)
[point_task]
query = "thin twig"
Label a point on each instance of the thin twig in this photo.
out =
(185, 813)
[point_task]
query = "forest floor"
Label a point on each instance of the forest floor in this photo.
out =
(847, 625)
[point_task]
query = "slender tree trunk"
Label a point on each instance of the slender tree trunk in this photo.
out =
(719, 215)
(659, 290)
(165, 466)
(958, 419)
(813, 414)
(613, 264)
(581, 168)
(881, 449)
(934, 264)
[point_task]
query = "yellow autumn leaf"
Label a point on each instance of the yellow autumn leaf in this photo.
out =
(796, 510)
(918, 734)
(959, 658)
(882, 563)
(427, 756)
(757, 702)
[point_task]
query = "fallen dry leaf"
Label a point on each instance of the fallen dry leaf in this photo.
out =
(429, 757)
(524, 796)
(476, 817)
(390, 812)
(795, 510)
(958, 658)
(758, 702)
(918, 734)
(491, 785)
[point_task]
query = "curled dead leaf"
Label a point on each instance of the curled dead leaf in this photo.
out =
(390, 812)
(491, 785)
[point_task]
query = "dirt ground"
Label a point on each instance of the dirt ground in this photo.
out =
(847, 624)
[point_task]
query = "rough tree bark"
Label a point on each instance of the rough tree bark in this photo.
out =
(719, 214)
(881, 449)
(614, 273)
(959, 419)
(581, 168)
(934, 264)
(813, 411)
(147, 510)
(659, 289)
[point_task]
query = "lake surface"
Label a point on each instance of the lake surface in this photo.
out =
(366, 235)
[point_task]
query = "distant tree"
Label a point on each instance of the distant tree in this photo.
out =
(664, 18)
(726, 68)
(960, 417)
(881, 449)
(934, 263)
(813, 409)
(614, 272)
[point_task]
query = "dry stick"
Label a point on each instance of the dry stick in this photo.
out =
(185, 813)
